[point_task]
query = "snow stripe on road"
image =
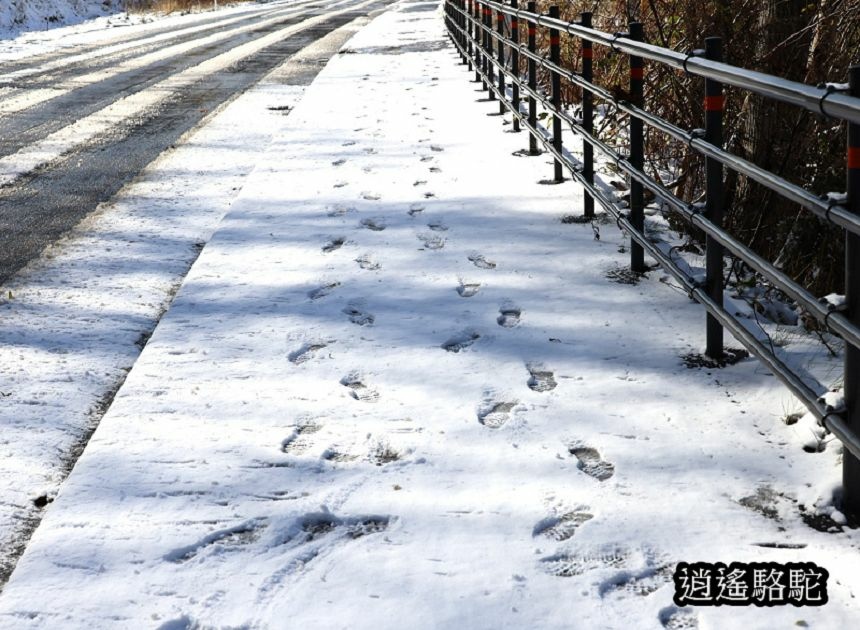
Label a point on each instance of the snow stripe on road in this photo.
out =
(138, 104)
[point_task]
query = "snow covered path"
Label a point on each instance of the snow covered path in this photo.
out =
(75, 320)
(395, 390)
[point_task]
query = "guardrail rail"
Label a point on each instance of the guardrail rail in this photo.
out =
(496, 56)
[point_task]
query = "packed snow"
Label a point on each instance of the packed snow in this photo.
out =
(396, 390)
(75, 321)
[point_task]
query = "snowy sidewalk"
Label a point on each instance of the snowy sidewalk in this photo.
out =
(394, 392)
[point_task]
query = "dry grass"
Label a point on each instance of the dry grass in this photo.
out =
(169, 6)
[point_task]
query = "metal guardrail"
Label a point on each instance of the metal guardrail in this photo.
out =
(470, 25)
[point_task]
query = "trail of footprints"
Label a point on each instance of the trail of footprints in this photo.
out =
(561, 526)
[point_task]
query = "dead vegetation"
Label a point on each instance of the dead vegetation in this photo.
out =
(810, 42)
(172, 6)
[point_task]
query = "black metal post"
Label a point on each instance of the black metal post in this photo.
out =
(850, 464)
(500, 28)
(515, 65)
(464, 35)
(637, 151)
(458, 20)
(532, 44)
(555, 80)
(483, 17)
(587, 117)
(467, 10)
(477, 51)
(714, 105)
(488, 22)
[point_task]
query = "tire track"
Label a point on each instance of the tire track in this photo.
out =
(51, 106)
(42, 205)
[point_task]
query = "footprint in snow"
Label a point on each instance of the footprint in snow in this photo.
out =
(435, 169)
(589, 462)
(376, 225)
(299, 441)
(306, 352)
(436, 147)
(540, 378)
(461, 341)
(348, 143)
(339, 210)
(371, 196)
(357, 314)
(429, 195)
(480, 262)
(333, 244)
(563, 526)
(431, 241)
(509, 316)
(222, 540)
(427, 158)
(366, 262)
(340, 184)
(494, 414)
(468, 289)
(437, 226)
(357, 388)
(674, 618)
(316, 525)
(639, 583)
(333, 454)
(415, 208)
(420, 182)
(577, 563)
(339, 162)
(323, 290)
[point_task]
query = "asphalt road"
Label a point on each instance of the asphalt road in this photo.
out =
(152, 87)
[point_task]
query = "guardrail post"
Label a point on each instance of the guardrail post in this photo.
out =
(467, 10)
(458, 20)
(533, 146)
(637, 150)
(476, 7)
(488, 22)
(850, 464)
(587, 117)
(500, 27)
(482, 16)
(555, 57)
(714, 105)
(515, 65)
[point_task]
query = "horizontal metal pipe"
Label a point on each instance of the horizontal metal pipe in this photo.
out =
(812, 98)
(809, 397)
(837, 322)
(819, 206)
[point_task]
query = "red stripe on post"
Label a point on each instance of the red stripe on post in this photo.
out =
(531, 29)
(854, 158)
(553, 41)
(587, 53)
(637, 73)
(715, 103)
